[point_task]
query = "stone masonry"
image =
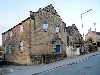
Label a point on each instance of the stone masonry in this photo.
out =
(43, 32)
(93, 36)
(11, 40)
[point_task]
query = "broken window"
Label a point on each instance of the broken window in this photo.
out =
(57, 29)
(21, 28)
(45, 26)
(21, 45)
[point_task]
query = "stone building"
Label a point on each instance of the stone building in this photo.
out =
(74, 38)
(92, 36)
(43, 32)
(16, 43)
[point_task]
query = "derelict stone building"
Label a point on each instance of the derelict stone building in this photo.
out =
(43, 32)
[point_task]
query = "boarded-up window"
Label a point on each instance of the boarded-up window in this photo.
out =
(21, 45)
(57, 29)
(21, 28)
(45, 26)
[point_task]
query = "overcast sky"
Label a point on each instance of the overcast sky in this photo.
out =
(13, 12)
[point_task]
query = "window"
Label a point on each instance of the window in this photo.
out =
(21, 45)
(45, 26)
(57, 29)
(21, 28)
(9, 48)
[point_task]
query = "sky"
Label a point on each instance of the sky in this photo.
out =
(13, 12)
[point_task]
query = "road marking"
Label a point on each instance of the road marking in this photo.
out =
(60, 66)
(81, 60)
(67, 64)
(47, 71)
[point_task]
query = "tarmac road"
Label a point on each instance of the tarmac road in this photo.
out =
(90, 66)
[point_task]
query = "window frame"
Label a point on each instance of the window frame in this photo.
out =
(21, 46)
(9, 49)
(57, 29)
(21, 28)
(45, 26)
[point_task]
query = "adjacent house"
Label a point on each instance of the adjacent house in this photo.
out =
(93, 39)
(74, 38)
(92, 36)
(42, 33)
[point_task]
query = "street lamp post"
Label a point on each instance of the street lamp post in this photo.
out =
(82, 23)
(95, 33)
(82, 18)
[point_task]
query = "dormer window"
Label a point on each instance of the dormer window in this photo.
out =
(57, 29)
(45, 26)
(21, 28)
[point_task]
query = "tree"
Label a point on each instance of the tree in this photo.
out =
(98, 44)
(0, 47)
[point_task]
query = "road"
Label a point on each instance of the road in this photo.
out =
(90, 66)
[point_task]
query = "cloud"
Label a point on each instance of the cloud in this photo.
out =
(4, 15)
(10, 14)
(1, 23)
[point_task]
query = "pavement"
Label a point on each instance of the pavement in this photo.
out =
(36, 70)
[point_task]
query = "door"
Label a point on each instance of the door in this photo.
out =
(57, 48)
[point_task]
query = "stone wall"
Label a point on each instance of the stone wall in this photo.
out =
(91, 35)
(45, 58)
(35, 40)
(40, 39)
(15, 54)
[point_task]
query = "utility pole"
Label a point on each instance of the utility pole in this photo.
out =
(82, 23)
(82, 18)
(95, 33)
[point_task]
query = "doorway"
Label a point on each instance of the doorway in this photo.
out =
(57, 48)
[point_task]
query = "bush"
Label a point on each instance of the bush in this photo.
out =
(0, 47)
(94, 43)
(91, 48)
(98, 44)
